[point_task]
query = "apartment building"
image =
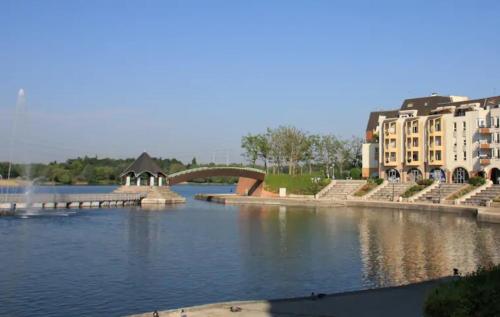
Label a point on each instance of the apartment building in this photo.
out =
(448, 137)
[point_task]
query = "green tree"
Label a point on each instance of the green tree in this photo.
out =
(250, 144)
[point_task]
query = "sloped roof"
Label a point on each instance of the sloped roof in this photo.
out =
(424, 105)
(373, 119)
(144, 163)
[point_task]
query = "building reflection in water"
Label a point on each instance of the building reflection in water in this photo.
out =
(360, 245)
(399, 247)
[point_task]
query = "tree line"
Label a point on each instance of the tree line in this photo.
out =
(92, 170)
(287, 149)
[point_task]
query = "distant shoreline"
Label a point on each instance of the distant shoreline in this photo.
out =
(12, 183)
(21, 183)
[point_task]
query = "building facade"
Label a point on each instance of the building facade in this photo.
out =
(451, 138)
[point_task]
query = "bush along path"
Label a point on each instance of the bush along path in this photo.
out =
(421, 184)
(476, 294)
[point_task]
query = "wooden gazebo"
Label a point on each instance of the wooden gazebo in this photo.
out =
(144, 172)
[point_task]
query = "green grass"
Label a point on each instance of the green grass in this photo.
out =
(462, 192)
(297, 184)
(477, 294)
(417, 188)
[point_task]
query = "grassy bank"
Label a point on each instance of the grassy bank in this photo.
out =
(296, 184)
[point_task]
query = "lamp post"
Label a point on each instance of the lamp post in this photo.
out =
(392, 180)
(437, 176)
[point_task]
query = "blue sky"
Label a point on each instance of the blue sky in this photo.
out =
(187, 78)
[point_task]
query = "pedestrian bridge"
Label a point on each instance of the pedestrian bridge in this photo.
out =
(204, 172)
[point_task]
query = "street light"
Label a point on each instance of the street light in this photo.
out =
(437, 176)
(392, 180)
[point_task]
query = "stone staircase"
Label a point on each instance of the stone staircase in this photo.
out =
(484, 196)
(385, 193)
(446, 191)
(343, 188)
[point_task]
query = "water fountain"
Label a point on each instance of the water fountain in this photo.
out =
(18, 151)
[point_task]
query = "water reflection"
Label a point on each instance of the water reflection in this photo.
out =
(393, 247)
(119, 261)
(399, 247)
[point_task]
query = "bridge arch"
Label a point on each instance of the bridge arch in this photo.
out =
(204, 172)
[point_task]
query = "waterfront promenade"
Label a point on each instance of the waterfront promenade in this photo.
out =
(398, 301)
(482, 214)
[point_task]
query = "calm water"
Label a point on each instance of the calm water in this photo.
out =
(112, 262)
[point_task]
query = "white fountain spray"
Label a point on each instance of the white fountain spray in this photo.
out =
(20, 106)
(18, 147)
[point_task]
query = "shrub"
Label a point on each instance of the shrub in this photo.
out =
(425, 182)
(476, 294)
(412, 190)
(421, 184)
(356, 173)
(477, 181)
(377, 180)
(461, 192)
(368, 187)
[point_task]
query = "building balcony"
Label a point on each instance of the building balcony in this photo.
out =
(436, 162)
(485, 130)
(390, 163)
(413, 163)
(484, 145)
(485, 161)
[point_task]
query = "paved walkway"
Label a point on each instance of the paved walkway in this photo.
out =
(395, 301)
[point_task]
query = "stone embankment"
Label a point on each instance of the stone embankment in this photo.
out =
(483, 214)
(154, 195)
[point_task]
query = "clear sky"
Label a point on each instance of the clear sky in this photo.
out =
(187, 78)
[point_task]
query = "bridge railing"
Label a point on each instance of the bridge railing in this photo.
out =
(214, 168)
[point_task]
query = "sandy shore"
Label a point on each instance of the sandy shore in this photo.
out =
(398, 301)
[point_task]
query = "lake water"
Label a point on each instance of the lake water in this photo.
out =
(110, 262)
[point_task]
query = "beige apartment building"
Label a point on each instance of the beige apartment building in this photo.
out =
(451, 138)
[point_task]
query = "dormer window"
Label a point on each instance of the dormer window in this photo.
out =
(410, 105)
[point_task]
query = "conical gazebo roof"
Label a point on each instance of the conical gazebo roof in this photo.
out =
(144, 164)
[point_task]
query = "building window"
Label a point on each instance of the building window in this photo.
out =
(455, 157)
(465, 155)
(465, 142)
(480, 123)
(454, 126)
(415, 156)
(438, 141)
(376, 154)
(438, 155)
(465, 126)
(415, 142)
(438, 125)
